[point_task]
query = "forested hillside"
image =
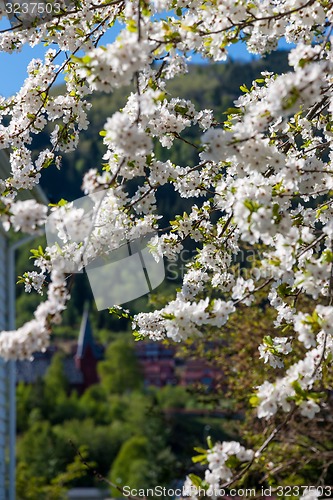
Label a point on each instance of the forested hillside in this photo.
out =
(207, 86)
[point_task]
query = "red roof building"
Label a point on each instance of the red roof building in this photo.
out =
(88, 353)
(158, 363)
(197, 371)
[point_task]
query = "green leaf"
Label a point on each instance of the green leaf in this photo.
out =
(327, 256)
(268, 340)
(60, 203)
(321, 210)
(86, 59)
(298, 389)
(252, 205)
(138, 336)
(132, 26)
(168, 316)
(254, 401)
(284, 290)
(232, 462)
(316, 396)
(76, 59)
(244, 88)
(200, 450)
(232, 111)
(199, 459)
(182, 110)
(196, 480)
(37, 252)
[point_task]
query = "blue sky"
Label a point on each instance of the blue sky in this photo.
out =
(13, 66)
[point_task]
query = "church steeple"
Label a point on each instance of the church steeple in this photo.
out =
(88, 353)
(85, 336)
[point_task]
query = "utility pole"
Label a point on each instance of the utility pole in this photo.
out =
(11, 277)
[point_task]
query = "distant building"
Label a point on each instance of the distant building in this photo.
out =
(29, 371)
(161, 367)
(80, 366)
(158, 363)
(88, 494)
(88, 353)
(197, 371)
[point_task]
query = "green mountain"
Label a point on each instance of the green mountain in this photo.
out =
(208, 86)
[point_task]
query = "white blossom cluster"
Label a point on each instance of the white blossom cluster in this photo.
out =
(263, 178)
(33, 336)
(218, 458)
(272, 349)
(27, 216)
(221, 458)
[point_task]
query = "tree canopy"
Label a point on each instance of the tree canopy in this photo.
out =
(258, 188)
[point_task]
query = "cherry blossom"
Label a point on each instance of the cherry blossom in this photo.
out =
(263, 178)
